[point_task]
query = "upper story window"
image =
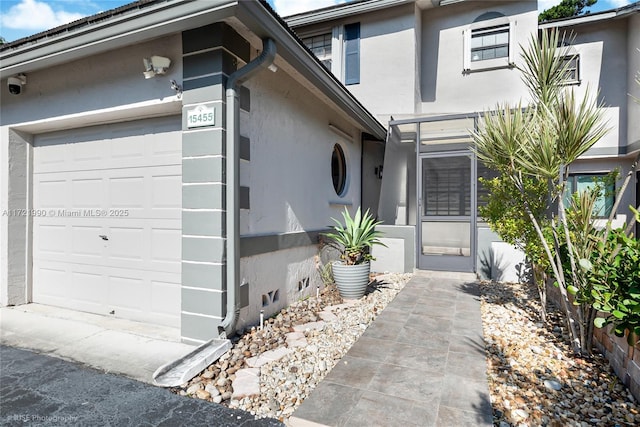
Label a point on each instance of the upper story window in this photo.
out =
(572, 71)
(339, 51)
(490, 43)
(320, 45)
(606, 191)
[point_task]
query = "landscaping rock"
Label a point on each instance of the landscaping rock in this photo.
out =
(311, 352)
(532, 369)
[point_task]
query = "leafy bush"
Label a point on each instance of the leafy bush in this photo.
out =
(615, 286)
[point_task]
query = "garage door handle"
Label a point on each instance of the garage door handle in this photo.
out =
(103, 237)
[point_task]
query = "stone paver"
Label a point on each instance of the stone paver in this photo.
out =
(319, 325)
(420, 363)
(296, 339)
(41, 390)
(247, 383)
(268, 356)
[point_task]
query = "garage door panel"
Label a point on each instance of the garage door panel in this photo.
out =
(86, 243)
(166, 192)
(86, 193)
(90, 152)
(89, 287)
(127, 243)
(51, 240)
(50, 194)
(57, 279)
(111, 236)
(128, 193)
(165, 298)
(127, 293)
(166, 245)
(131, 144)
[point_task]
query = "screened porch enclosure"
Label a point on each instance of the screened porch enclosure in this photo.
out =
(431, 182)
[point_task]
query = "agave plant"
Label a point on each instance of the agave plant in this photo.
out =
(356, 237)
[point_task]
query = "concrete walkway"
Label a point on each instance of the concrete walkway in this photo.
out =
(113, 345)
(421, 363)
(39, 390)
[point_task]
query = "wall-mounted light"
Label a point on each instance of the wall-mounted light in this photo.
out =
(155, 65)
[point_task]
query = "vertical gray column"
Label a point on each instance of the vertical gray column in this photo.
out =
(210, 54)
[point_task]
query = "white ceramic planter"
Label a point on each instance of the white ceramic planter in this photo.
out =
(351, 280)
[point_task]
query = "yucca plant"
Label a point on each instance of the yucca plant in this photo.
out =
(356, 237)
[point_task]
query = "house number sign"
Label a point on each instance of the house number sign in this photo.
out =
(200, 116)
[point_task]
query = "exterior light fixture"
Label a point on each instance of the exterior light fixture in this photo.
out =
(155, 65)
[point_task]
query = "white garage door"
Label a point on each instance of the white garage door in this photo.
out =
(107, 219)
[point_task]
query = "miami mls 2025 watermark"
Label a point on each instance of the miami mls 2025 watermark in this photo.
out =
(78, 213)
(45, 419)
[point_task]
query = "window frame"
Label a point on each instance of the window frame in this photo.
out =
(341, 188)
(324, 34)
(483, 32)
(508, 61)
(609, 192)
(341, 48)
(567, 58)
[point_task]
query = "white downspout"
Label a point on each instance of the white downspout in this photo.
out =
(264, 60)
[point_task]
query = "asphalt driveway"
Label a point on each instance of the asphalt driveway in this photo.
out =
(39, 390)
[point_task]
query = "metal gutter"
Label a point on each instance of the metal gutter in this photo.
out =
(341, 11)
(264, 60)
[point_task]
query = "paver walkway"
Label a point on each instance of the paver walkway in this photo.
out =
(420, 363)
(39, 390)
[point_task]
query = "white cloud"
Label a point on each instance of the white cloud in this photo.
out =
(291, 7)
(36, 15)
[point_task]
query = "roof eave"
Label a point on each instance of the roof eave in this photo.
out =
(153, 21)
(266, 24)
(341, 11)
(166, 18)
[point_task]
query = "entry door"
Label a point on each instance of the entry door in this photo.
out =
(446, 207)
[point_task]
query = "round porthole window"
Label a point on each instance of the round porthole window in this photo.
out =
(338, 170)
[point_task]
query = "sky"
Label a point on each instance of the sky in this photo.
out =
(22, 18)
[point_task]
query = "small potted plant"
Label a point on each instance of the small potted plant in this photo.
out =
(354, 240)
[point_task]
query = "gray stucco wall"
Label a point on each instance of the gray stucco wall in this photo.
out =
(107, 80)
(388, 62)
(603, 51)
(445, 87)
(291, 195)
